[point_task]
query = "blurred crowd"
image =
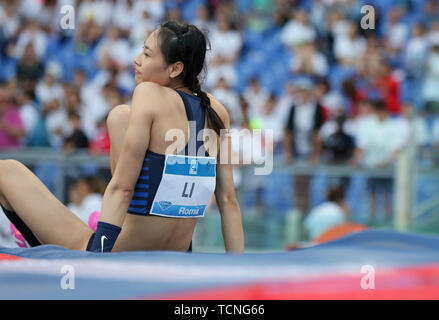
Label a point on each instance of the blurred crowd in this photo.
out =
(305, 69)
(331, 91)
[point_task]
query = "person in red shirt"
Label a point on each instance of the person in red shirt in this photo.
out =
(388, 86)
(100, 144)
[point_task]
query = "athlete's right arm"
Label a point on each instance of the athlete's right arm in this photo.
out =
(225, 195)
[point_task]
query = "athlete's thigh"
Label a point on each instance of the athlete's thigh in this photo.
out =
(50, 221)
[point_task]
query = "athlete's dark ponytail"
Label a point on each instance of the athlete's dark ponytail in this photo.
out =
(186, 43)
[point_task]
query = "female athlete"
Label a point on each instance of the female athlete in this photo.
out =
(154, 197)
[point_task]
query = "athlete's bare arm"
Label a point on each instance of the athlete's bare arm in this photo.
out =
(225, 194)
(120, 189)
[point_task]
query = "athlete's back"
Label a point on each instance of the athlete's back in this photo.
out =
(154, 231)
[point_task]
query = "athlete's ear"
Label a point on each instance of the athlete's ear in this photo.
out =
(175, 69)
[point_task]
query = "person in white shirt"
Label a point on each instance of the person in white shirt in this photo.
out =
(413, 128)
(203, 21)
(85, 196)
(309, 61)
(350, 47)
(271, 119)
(9, 19)
(415, 55)
(230, 99)
(114, 51)
(226, 45)
(378, 146)
(34, 34)
(256, 96)
(298, 30)
(51, 96)
(430, 92)
(329, 214)
(124, 15)
(397, 32)
(97, 10)
(28, 113)
(48, 89)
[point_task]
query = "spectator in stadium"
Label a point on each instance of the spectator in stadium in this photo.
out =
(77, 139)
(226, 45)
(203, 20)
(430, 14)
(11, 125)
(364, 120)
(349, 47)
(230, 99)
(100, 143)
(308, 61)
(92, 99)
(378, 147)
(256, 96)
(416, 50)
(29, 68)
(28, 112)
(396, 32)
(97, 10)
(113, 50)
(413, 127)
(388, 87)
(301, 136)
(10, 22)
(31, 34)
(414, 59)
(431, 83)
(353, 95)
(298, 30)
(337, 143)
(52, 99)
(330, 100)
(368, 65)
(329, 214)
(271, 119)
(85, 196)
(125, 15)
(143, 26)
(49, 89)
(304, 120)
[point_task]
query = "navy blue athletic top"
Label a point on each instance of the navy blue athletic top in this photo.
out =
(153, 164)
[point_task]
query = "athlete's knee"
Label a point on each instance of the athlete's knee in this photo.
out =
(120, 111)
(119, 114)
(9, 165)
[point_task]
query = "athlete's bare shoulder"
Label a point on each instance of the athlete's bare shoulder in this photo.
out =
(151, 94)
(149, 88)
(219, 109)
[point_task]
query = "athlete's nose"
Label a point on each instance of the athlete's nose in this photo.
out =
(136, 60)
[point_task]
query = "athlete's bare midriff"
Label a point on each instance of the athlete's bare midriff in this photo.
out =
(155, 232)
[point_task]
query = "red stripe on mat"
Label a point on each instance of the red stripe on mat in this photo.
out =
(9, 257)
(400, 284)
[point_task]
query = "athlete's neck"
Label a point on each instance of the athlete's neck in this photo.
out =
(182, 88)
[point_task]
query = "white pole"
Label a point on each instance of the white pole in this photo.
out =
(405, 171)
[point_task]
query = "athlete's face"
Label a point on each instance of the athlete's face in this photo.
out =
(150, 64)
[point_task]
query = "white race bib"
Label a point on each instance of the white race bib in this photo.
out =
(186, 187)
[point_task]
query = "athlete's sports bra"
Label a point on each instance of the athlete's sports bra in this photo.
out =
(180, 185)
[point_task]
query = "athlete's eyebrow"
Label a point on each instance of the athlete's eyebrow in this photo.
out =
(146, 47)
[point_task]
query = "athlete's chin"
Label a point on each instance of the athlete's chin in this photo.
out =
(138, 78)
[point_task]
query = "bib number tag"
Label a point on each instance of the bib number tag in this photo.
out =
(186, 187)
